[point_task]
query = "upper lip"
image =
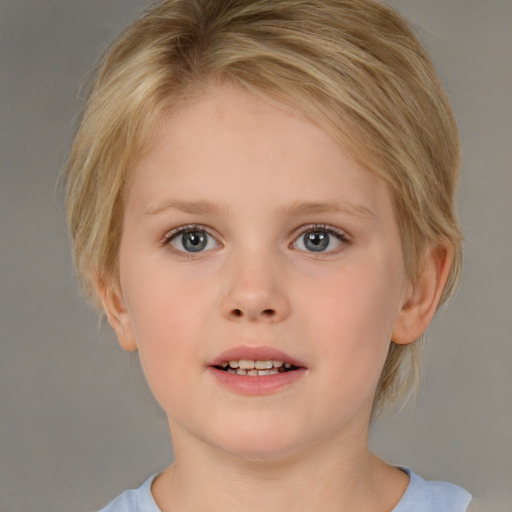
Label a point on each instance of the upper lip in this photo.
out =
(255, 353)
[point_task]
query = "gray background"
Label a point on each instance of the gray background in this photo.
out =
(78, 424)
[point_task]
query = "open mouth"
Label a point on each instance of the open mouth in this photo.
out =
(256, 368)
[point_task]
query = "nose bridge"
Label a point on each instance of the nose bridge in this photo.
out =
(254, 286)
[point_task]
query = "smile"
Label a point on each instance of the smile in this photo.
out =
(255, 368)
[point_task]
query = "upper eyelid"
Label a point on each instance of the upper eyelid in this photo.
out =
(188, 228)
(322, 227)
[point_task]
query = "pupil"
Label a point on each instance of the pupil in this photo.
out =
(316, 241)
(194, 242)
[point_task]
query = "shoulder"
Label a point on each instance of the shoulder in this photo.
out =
(134, 500)
(428, 496)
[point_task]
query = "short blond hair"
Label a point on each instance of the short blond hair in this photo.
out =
(352, 66)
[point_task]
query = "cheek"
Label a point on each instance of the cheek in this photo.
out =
(162, 300)
(164, 314)
(353, 314)
(362, 300)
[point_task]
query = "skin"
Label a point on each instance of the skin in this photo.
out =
(256, 177)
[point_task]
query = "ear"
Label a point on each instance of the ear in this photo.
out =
(422, 299)
(116, 313)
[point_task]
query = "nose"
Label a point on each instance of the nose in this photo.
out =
(255, 292)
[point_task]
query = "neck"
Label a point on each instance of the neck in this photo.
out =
(331, 476)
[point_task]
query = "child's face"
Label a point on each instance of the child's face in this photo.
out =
(249, 234)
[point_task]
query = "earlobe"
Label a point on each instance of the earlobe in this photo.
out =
(423, 299)
(116, 313)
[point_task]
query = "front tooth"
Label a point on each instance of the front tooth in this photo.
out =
(277, 364)
(263, 372)
(273, 371)
(263, 365)
(240, 371)
(246, 364)
(252, 372)
(233, 364)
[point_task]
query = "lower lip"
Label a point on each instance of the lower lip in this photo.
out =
(256, 385)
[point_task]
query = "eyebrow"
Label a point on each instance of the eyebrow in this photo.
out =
(294, 209)
(192, 207)
(300, 208)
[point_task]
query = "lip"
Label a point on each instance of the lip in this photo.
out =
(256, 385)
(256, 354)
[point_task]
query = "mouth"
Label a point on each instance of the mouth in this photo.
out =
(255, 368)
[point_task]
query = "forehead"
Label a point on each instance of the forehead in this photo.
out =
(228, 144)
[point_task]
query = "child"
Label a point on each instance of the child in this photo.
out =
(260, 197)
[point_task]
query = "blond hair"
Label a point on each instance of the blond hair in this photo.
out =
(351, 66)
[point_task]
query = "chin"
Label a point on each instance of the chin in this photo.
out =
(261, 454)
(260, 443)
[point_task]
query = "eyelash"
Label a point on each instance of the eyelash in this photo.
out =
(192, 228)
(183, 230)
(341, 235)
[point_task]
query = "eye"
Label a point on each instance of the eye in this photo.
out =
(320, 239)
(191, 239)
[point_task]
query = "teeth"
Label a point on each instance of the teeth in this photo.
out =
(263, 365)
(247, 364)
(254, 368)
(253, 372)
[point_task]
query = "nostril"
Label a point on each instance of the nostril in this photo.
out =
(238, 313)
